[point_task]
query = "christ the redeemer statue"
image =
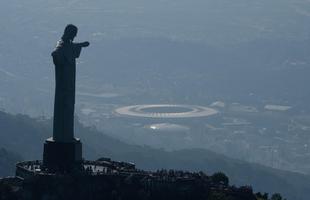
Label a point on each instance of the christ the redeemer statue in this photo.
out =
(65, 72)
(63, 151)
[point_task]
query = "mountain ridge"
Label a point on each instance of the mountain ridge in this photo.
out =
(96, 144)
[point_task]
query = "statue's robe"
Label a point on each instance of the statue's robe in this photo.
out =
(65, 72)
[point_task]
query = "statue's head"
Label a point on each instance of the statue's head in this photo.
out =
(69, 33)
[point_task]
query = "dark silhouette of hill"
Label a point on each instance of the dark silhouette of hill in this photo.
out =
(25, 135)
(8, 161)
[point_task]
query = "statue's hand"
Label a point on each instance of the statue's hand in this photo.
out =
(85, 44)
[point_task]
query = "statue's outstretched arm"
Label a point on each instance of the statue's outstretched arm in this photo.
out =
(77, 47)
(83, 44)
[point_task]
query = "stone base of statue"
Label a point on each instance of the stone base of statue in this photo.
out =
(62, 156)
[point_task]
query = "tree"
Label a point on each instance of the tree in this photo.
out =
(276, 196)
(220, 178)
(262, 196)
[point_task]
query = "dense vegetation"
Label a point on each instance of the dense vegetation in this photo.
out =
(161, 185)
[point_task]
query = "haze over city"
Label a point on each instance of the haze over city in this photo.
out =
(230, 77)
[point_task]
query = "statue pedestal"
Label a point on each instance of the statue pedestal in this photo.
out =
(62, 156)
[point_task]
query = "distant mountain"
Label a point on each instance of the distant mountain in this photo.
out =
(7, 162)
(26, 136)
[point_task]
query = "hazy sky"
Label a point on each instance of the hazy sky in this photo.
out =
(211, 21)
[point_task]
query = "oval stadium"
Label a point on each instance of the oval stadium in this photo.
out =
(166, 111)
